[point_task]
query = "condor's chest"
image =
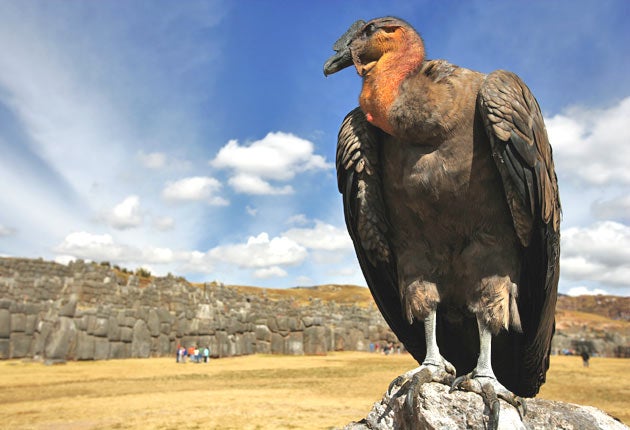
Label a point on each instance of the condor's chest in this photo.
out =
(455, 182)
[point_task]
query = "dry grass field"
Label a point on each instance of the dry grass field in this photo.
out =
(253, 392)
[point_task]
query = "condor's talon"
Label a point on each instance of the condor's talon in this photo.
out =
(523, 405)
(458, 382)
(400, 381)
(418, 380)
(516, 401)
(491, 400)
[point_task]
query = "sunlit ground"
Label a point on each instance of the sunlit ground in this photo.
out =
(251, 392)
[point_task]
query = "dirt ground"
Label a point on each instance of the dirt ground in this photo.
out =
(251, 392)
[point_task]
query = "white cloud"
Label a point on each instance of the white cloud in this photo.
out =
(164, 223)
(592, 144)
(6, 231)
(278, 156)
(585, 291)
(299, 219)
(249, 184)
(126, 214)
(160, 160)
(618, 208)
(260, 252)
(321, 237)
(97, 247)
(598, 253)
(103, 247)
(303, 280)
(153, 160)
(270, 272)
(198, 188)
(251, 211)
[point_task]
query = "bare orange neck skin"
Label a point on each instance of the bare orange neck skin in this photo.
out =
(382, 83)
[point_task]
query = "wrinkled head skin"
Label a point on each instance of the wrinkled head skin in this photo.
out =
(363, 44)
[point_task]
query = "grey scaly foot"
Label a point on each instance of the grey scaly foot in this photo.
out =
(443, 373)
(490, 390)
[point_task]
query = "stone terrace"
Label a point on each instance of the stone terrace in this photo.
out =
(86, 311)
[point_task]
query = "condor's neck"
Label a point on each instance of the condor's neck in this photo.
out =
(382, 84)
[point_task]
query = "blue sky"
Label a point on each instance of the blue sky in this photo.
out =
(199, 137)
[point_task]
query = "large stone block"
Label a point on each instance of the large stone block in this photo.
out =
(141, 341)
(164, 346)
(62, 339)
(263, 347)
(99, 326)
(5, 303)
(31, 324)
(193, 327)
(295, 324)
(205, 327)
(181, 327)
(153, 323)
(20, 345)
(165, 328)
(165, 316)
(235, 326)
(204, 311)
(277, 344)
(18, 323)
(272, 323)
(101, 348)
(85, 346)
(249, 343)
(315, 340)
(44, 328)
(126, 334)
(283, 324)
(5, 349)
(5, 323)
(68, 306)
(113, 330)
(223, 344)
(263, 333)
(119, 350)
(295, 343)
(32, 308)
(81, 322)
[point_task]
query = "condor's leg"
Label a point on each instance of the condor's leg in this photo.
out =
(420, 301)
(496, 311)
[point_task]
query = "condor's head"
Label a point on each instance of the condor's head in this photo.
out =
(388, 44)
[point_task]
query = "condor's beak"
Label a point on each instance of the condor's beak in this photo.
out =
(338, 61)
(343, 57)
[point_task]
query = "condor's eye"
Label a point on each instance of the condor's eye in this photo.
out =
(370, 30)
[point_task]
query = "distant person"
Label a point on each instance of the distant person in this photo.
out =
(585, 358)
(206, 354)
(191, 353)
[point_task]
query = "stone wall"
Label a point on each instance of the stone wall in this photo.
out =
(86, 311)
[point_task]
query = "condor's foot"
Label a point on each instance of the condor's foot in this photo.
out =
(490, 390)
(442, 372)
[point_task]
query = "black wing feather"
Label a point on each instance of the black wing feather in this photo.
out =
(358, 176)
(516, 130)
